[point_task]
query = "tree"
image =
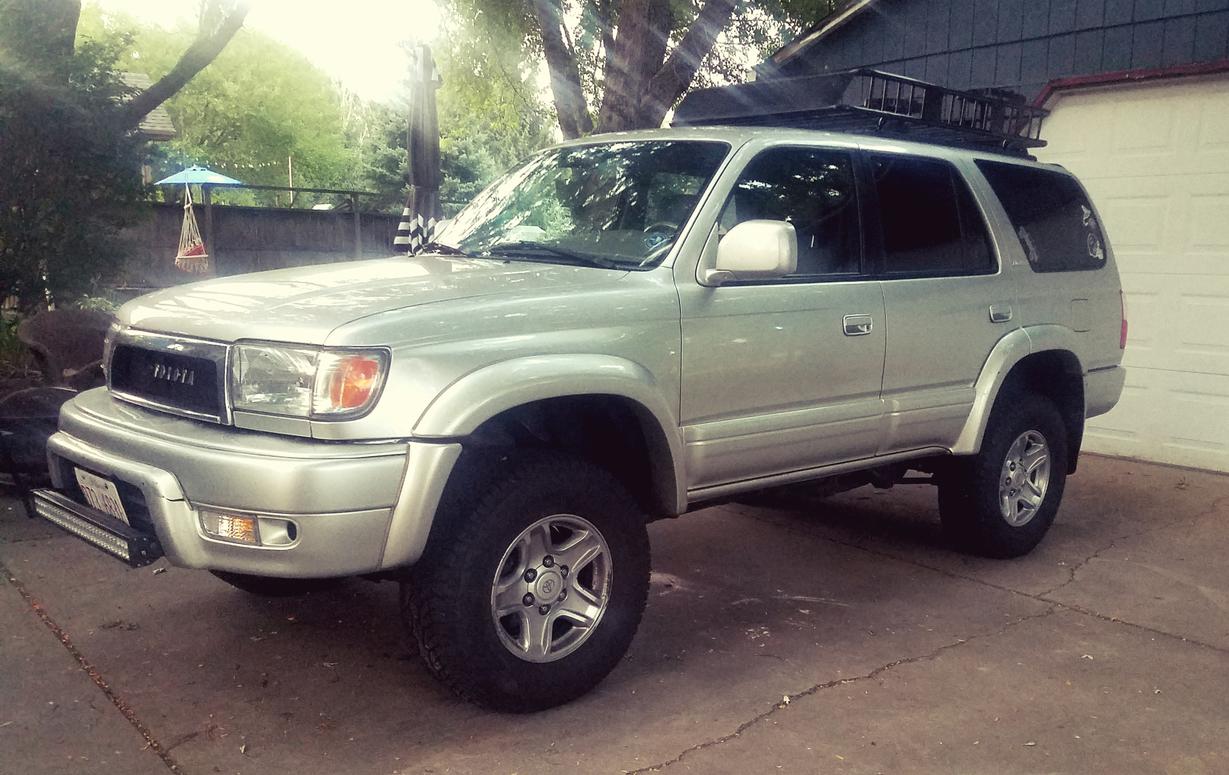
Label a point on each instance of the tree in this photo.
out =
(70, 157)
(636, 58)
(67, 188)
(490, 117)
(37, 39)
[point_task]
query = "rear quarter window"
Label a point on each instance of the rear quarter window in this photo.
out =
(1051, 216)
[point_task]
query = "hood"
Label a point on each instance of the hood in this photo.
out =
(304, 304)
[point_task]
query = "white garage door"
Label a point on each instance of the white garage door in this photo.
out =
(1156, 160)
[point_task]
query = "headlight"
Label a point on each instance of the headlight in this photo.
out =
(305, 381)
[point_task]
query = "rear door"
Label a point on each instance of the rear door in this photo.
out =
(947, 302)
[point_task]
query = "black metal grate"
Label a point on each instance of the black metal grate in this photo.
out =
(177, 382)
(871, 102)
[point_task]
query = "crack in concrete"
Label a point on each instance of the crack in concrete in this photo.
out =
(92, 672)
(789, 699)
(1039, 597)
(1074, 570)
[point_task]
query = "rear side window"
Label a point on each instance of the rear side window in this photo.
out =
(931, 225)
(1051, 216)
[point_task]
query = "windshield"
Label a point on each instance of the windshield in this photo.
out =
(616, 205)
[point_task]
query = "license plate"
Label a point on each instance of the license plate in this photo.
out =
(101, 494)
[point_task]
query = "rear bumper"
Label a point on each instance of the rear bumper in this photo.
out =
(1102, 389)
(341, 496)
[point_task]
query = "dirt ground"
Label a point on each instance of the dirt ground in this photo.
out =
(839, 636)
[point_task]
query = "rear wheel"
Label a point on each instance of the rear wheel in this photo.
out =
(1002, 501)
(530, 596)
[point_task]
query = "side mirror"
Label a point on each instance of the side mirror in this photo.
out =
(755, 250)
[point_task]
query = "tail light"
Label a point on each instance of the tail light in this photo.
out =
(1122, 338)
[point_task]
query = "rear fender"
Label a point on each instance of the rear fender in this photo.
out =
(1010, 350)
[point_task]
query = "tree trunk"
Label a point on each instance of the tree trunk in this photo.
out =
(206, 47)
(676, 75)
(570, 104)
(639, 50)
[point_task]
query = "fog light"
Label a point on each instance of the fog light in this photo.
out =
(239, 528)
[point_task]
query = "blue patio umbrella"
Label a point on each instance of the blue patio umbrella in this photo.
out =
(192, 255)
(195, 175)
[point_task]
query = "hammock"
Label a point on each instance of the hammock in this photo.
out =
(192, 256)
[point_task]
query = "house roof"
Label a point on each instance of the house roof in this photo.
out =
(819, 30)
(157, 123)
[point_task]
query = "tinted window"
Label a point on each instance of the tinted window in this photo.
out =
(814, 190)
(931, 225)
(1051, 216)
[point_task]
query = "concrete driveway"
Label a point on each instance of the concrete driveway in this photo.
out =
(838, 636)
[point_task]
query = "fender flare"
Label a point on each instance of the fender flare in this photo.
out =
(462, 407)
(1007, 353)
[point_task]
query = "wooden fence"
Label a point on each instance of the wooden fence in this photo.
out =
(252, 239)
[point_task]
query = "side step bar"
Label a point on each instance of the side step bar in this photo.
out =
(103, 531)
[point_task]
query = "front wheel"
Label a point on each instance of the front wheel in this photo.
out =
(1002, 501)
(533, 592)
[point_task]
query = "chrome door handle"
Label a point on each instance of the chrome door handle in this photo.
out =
(1000, 313)
(858, 325)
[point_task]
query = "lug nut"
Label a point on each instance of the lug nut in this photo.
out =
(531, 574)
(544, 609)
(548, 561)
(528, 598)
(563, 595)
(564, 570)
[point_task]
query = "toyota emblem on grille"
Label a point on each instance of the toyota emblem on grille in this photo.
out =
(174, 374)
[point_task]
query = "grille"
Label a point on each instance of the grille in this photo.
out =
(184, 377)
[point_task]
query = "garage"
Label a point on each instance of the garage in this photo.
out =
(1155, 158)
(1139, 94)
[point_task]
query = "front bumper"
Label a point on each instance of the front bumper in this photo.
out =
(358, 507)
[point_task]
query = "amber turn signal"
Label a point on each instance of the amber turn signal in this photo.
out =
(347, 382)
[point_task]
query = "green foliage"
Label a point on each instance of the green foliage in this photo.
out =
(15, 360)
(261, 102)
(490, 117)
(258, 109)
(70, 181)
(756, 30)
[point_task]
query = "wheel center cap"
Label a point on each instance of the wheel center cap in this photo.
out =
(548, 585)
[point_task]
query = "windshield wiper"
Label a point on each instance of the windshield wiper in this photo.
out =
(445, 250)
(525, 247)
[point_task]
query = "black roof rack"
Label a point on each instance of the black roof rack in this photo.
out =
(869, 101)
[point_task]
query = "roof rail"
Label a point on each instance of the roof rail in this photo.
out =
(867, 101)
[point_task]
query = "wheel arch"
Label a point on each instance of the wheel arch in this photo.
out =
(543, 392)
(1041, 359)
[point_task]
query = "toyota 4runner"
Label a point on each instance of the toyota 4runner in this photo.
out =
(626, 327)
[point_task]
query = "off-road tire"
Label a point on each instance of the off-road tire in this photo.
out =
(969, 493)
(447, 600)
(268, 586)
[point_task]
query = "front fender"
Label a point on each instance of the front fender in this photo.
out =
(480, 395)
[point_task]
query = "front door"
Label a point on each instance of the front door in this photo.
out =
(784, 375)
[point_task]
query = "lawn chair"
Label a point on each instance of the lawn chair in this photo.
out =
(67, 345)
(27, 419)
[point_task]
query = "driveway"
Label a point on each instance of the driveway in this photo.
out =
(835, 636)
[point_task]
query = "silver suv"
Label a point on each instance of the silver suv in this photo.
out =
(625, 328)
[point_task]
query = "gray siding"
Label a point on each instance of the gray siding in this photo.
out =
(1018, 44)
